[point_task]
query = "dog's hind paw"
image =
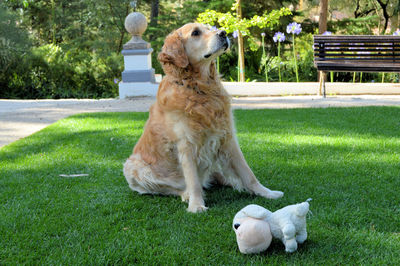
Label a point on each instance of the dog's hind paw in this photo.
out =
(274, 194)
(267, 193)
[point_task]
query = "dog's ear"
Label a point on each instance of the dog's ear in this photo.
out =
(173, 51)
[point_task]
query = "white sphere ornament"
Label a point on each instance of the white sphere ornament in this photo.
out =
(136, 25)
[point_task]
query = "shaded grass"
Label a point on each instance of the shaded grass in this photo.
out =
(346, 159)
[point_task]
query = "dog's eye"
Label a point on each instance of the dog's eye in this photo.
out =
(195, 33)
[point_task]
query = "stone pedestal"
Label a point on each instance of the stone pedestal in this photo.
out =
(138, 76)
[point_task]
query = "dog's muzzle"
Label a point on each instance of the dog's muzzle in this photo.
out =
(223, 43)
(223, 39)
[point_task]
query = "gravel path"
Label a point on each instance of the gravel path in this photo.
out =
(21, 118)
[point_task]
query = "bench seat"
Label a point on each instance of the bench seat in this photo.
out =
(358, 66)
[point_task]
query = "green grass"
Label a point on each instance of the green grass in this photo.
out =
(347, 160)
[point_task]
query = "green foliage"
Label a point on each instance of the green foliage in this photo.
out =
(50, 72)
(230, 22)
(75, 52)
(305, 61)
(87, 37)
(304, 48)
(14, 41)
(354, 26)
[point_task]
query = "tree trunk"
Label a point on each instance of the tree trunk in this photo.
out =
(359, 12)
(240, 44)
(385, 14)
(155, 6)
(122, 31)
(394, 20)
(356, 12)
(53, 22)
(323, 16)
(397, 16)
(323, 24)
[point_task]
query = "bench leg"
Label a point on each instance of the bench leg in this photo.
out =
(320, 84)
(322, 88)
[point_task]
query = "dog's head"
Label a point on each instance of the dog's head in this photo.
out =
(193, 44)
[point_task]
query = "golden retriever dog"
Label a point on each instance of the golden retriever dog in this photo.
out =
(189, 139)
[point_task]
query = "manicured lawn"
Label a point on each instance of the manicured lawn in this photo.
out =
(347, 160)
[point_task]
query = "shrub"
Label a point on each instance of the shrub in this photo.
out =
(50, 72)
(14, 45)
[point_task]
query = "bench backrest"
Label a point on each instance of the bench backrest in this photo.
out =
(357, 48)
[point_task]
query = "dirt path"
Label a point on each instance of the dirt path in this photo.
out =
(21, 118)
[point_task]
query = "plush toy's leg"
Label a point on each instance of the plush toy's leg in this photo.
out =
(301, 236)
(290, 245)
(289, 239)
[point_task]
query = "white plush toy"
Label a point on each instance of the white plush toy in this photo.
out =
(287, 224)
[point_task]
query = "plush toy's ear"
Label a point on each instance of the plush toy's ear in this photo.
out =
(173, 51)
(256, 211)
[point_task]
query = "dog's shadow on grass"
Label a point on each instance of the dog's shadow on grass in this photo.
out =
(219, 196)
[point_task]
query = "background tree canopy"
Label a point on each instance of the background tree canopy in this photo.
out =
(60, 48)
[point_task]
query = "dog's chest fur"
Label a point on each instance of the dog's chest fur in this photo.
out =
(206, 127)
(210, 157)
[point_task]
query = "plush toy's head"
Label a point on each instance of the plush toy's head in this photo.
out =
(252, 235)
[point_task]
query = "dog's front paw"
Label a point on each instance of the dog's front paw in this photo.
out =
(185, 196)
(196, 207)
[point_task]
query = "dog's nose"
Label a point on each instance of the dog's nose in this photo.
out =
(221, 33)
(236, 226)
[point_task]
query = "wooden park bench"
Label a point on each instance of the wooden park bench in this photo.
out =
(358, 53)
